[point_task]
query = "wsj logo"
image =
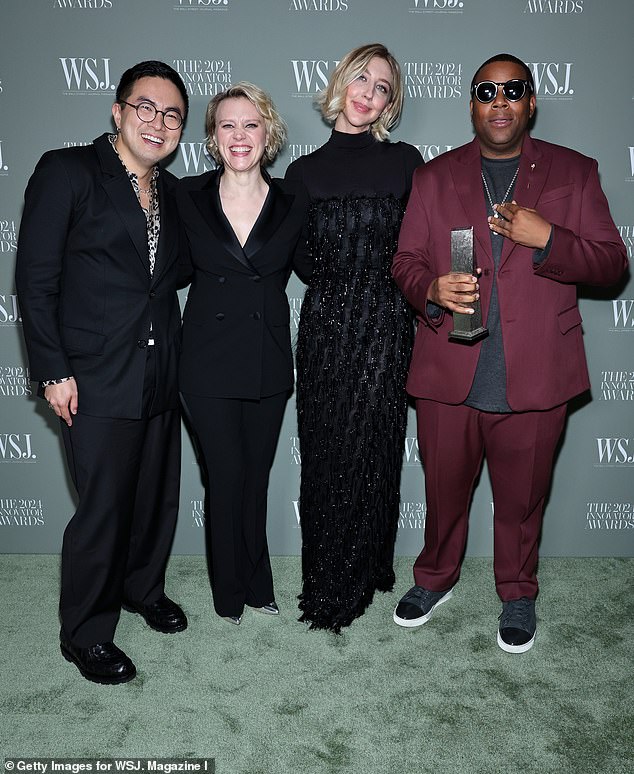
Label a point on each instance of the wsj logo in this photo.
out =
(196, 160)
(552, 79)
(412, 454)
(296, 457)
(296, 512)
(613, 452)
(82, 4)
(437, 6)
(9, 310)
(201, 5)
(4, 169)
(554, 6)
(429, 152)
(16, 447)
(318, 5)
(8, 236)
(86, 75)
(311, 75)
(622, 309)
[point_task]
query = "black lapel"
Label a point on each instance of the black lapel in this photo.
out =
(169, 227)
(119, 190)
(272, 215)
(207, 200)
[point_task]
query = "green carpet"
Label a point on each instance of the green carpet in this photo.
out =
(271, 697)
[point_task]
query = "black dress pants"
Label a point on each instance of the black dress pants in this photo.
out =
(236, 440)
(116, 546)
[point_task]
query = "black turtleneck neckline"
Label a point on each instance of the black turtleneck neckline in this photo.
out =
(350, 141)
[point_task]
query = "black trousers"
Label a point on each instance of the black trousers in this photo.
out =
(116, 546)
(236, 442)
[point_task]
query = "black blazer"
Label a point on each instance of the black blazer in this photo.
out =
(84, 285)
(236, 332)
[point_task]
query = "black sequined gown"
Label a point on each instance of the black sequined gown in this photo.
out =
(353, 351)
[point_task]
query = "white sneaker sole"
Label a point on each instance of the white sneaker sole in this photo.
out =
(411, 623)
(515, 648)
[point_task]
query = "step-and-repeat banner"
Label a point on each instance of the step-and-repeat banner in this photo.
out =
(60, 61)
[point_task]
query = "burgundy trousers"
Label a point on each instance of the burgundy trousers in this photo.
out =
(519, 450)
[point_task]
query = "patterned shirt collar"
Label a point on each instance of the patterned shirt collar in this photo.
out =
(153, 213)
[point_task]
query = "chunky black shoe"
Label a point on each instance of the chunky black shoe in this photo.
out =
(103, 663)
(417, 606)
(516, 633)
(163, 615)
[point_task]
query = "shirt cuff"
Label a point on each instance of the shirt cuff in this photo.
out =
(432, 310)
(49, 382)
(539, 256)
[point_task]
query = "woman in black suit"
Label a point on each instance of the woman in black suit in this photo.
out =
(236, 368)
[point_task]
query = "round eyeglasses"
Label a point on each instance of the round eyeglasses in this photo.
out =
(147, 113)
(513, 90)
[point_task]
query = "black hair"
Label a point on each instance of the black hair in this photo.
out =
(507, 58)
(150, 69)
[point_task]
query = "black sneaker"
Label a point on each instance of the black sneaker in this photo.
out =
(516, 633)
(417, 606)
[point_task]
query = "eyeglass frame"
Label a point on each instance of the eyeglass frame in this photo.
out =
(163, 113)
(527, 87)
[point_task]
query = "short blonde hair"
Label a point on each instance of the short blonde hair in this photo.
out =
(332, 100)
(274, 125)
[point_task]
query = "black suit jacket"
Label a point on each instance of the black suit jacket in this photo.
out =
(84, 284)
(236, 332)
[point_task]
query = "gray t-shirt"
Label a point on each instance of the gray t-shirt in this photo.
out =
(488, 391)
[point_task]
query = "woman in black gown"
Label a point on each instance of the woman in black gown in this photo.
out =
(354, 343)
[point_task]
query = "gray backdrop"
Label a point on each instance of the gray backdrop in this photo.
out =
(59, 63)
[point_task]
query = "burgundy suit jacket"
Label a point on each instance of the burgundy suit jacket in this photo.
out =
(541, 323)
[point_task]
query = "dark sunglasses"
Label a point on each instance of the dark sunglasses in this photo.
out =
(513, 90)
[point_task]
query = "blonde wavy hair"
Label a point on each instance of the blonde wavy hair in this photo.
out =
(274, 125)
(331, 101)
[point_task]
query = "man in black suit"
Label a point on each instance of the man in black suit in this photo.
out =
(97, 271)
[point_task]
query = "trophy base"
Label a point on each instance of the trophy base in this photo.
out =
(468, 337)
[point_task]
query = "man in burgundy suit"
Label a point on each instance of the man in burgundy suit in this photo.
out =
(541, 224)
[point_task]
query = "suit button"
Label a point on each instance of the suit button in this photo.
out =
(256, 315)
(152, 294)
(221, 280)
(141, 343)
(256, 278)
(486, 272)
(220, 316)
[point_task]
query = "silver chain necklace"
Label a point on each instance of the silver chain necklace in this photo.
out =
(508, 191)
